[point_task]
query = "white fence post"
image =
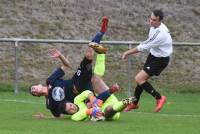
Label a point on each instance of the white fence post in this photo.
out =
(129, 73)
(16, 91)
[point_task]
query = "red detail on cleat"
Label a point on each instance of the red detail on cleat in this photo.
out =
(130, 107)
(160, 103)
(104, 24)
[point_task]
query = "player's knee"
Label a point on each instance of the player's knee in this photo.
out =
(89, 54)
(139, 80)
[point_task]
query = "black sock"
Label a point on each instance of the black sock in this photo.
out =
(138, 92)
(149, 89)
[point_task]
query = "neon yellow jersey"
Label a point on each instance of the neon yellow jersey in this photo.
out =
(80, 102)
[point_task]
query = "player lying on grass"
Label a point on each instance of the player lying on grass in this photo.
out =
(95, 109)
(58, 90)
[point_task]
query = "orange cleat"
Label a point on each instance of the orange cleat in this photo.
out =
(130, 107)
(160, 103)
(98, 48)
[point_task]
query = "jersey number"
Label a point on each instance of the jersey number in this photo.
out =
(78, 72)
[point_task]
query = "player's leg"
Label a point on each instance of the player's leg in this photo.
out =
(113, 110)
(153, 66)
(98, 37)
(82, 77)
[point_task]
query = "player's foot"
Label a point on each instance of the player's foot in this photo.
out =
(114, 88)
(98, 48)
(104, 24)
(130, 107)
(129, 101)
(160, 103)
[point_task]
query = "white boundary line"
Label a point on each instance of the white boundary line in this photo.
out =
(21, 101)
(147, 113)
(164, 114)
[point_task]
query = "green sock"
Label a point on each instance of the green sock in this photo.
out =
(119, 106)
(99, 68)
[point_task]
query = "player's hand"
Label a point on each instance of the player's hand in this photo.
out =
(39, 116)
(94, 112)
(124, 56)
(54, 53)
(97, 103)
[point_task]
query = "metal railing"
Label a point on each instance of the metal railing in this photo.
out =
(16, 42)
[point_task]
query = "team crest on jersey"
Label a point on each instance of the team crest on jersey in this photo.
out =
(58, 94)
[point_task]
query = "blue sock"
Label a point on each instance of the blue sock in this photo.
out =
(97, 38)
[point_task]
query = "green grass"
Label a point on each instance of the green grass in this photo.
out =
(181, 115)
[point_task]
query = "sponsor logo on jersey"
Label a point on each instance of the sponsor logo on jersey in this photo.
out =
(58, 94)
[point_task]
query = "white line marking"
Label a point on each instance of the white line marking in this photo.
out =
(21, 101)
(135, 112)
(164, 114)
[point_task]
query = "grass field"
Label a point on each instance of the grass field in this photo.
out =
(181, 115)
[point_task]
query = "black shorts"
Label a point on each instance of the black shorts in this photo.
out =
(82, 77)
(155, 65)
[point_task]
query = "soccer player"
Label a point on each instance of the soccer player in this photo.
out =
(159, 44)
(58, 90)
(80, 110)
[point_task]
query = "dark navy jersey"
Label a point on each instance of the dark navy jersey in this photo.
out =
(82, 77)
(59, 91)
(65, 90)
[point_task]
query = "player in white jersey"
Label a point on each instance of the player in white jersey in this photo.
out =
(159, 46)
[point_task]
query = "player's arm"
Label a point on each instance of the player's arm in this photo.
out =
(80, 99)
(129, 52)
(58, 73)
(153, 41)
(58, 55)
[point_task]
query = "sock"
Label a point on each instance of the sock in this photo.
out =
(119, 106)
(97, 38)
(149, 89)
(99, 68)
(104, 24)
(138, 92)
(104, 96)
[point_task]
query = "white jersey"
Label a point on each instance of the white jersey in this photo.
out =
(159, 42)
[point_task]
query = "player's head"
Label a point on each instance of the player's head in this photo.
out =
(37, 90)
(68, 108)
(156, 17)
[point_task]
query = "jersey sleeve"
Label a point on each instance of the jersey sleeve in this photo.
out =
(80, 102)
(80, 99)
(80, 115)
(58, 73)
(152, 41)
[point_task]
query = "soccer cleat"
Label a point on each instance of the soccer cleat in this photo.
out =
(160, 103)
(130, 107)
(129, 101)
(104, 24)
(98, 48)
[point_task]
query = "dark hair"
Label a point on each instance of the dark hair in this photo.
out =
(158, 13)
(62, 107)
(29, 89)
